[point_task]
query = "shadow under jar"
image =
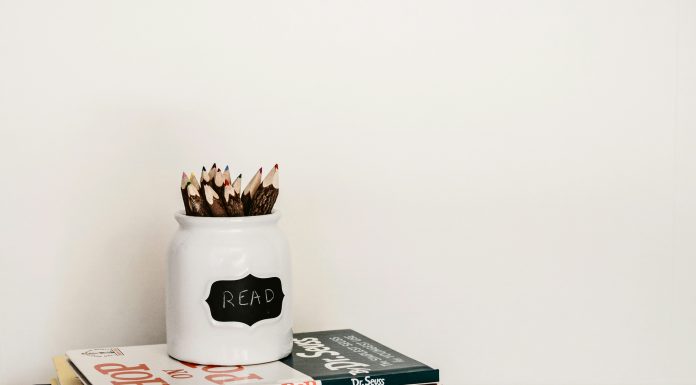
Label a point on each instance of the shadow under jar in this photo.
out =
(229, 294)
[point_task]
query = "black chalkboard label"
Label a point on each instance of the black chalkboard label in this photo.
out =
(247, 300)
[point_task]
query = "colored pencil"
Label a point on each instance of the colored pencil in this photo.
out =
(184, 194)
(233, 198)
(266, 195)
(214, 202)
(250, 191)
(226, 174)
(219, 183)
(196, 203)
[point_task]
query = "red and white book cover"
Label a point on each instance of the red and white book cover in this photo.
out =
(150, 365)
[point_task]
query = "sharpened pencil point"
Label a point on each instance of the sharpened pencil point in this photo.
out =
(217, 194)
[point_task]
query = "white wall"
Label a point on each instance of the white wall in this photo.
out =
(504, 190)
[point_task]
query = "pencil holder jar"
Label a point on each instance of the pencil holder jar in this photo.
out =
(228, 291)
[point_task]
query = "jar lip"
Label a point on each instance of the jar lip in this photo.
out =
(184, 219)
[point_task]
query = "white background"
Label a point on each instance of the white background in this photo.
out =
(505, 190)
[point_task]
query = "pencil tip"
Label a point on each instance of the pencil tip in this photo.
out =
(214, 166)
(239, 176)
(260, 168)
(276, 166)
(227, 168)
(203, 168)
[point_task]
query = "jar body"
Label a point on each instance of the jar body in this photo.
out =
(229, 294)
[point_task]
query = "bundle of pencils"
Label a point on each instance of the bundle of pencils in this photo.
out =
(217, 195)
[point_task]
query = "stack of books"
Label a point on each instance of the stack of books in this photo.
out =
(334, 357)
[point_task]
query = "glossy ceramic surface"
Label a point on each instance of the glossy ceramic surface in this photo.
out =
(229, 251)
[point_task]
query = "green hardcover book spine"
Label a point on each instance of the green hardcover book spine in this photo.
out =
(422, 377)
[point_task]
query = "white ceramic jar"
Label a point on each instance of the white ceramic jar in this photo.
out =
(228, 291)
